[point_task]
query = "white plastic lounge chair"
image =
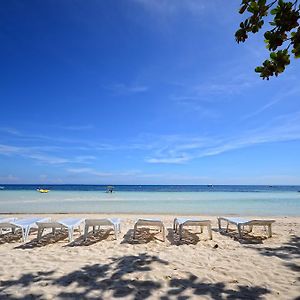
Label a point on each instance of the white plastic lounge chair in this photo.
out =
(149, 223)
(69, 224)
(180, 222)
(25, 225)
(102, 222)
(241, 223)
(5, 223)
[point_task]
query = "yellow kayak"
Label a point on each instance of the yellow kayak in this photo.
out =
(43, 190)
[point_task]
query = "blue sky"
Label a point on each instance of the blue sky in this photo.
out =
(141, 92)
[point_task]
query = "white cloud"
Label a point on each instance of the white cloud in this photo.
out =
(9, 150)
(121, 89)
(9, 179)
(9, 130)
(94, 172)
(77, 127)
(89, 171)
(168, 160)
(171, 7)
(286, 95)
(282, 129)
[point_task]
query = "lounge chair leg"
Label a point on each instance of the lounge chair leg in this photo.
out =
(163, 233)
(201, 229)
(180, 231)
(70, 234)
(25, 233)
(219, 224)
(227, 226)
(40, 233)
(269, 231)
(240, 230)
(94, 229)
(250, 228)
(134, 231)
(209, 231)
(116, 231)
(86, 230)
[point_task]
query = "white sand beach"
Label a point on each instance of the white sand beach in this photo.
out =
(195, 268)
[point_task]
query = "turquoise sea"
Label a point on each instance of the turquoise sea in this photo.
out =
(175, 199)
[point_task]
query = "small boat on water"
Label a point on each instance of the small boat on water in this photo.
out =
(109, 189)
(43, 190)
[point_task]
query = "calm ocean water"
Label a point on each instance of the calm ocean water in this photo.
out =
(177, 199)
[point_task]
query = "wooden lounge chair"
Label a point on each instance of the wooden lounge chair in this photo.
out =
(69, 224)
(241, 223)
(149, 223)
(102, 222)
(179, 223)
(24, 224)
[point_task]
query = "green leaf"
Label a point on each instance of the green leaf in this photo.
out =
(242, 9)
(274, 11)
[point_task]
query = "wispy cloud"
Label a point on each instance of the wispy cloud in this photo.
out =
(77, 127)
(282, 129)
(163, 149)
(89, 171)
(286, 95)
(40, 154)
(121, 89)
(9, 150)
(169, 160)
(9, 130)
(95, 172)
(9, 179)
(171, 7)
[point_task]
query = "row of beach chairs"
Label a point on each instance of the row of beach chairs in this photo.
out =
(70, 224)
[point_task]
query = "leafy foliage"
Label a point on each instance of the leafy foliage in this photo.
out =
(282, 39)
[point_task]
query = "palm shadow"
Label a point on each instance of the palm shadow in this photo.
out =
(99, 280)
(217, 291)
(111, 277)
(289, 252)
(25, 281)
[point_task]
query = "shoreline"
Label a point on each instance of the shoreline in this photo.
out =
(153, 214)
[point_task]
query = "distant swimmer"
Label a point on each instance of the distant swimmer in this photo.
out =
(109, 189)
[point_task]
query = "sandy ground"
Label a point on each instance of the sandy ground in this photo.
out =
(147, 268)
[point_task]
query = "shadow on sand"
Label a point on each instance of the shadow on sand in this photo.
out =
(143, 236)
(45, 240)
(110, 280)
(9, 237)
(248, 237)
(188, 237)
(289, 252)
